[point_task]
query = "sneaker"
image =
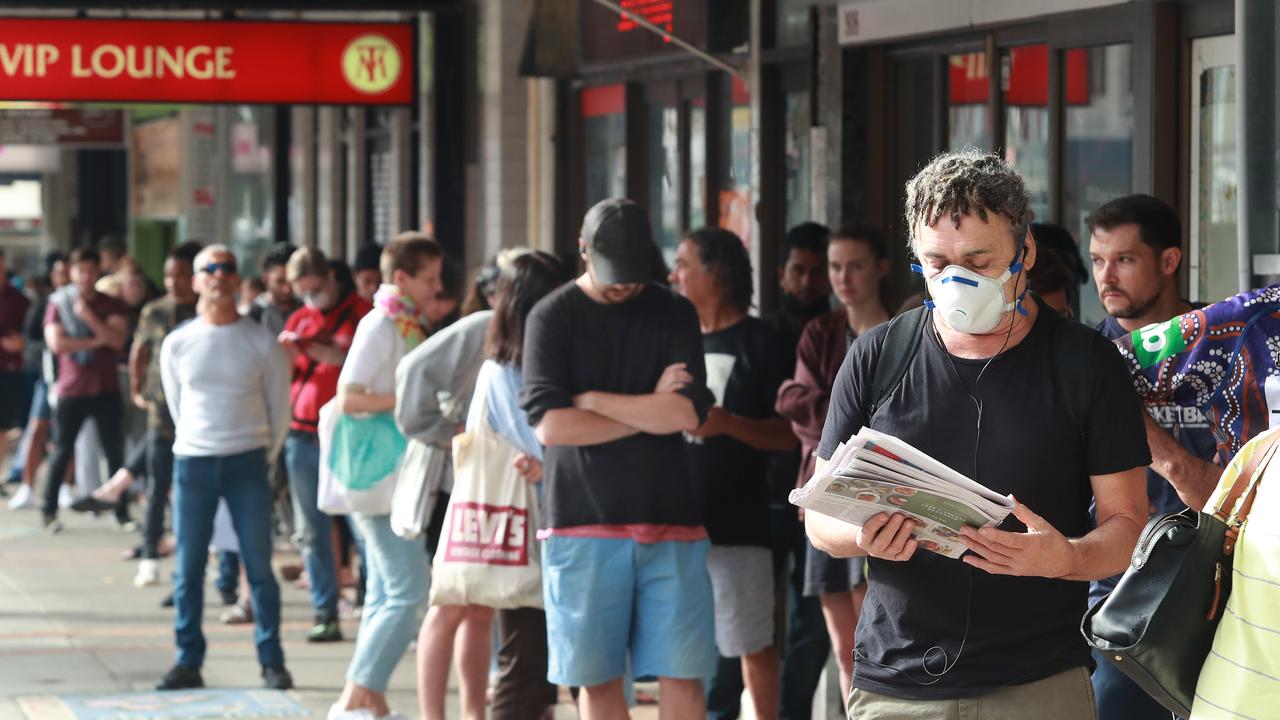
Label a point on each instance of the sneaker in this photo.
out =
(276, 678)
(237, 615)
(23, 499)
(325, 631)
(181, 677)
(65, 498)
(229, 597)
(148, 573)
(52, 524)
(337, 713)
(167, 602)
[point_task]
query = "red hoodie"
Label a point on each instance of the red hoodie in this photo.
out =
(315, 383)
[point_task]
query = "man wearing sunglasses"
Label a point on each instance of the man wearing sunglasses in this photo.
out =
(226, 382)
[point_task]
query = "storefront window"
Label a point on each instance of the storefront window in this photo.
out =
(380, 191)
(797, 157)
(605, 141)
(793, 24)
(968, 87)
(1098, 162)
(664, 176)
(697, 164)
(249, 209)
(1024, 85)
(735, 190)
(1215, 258)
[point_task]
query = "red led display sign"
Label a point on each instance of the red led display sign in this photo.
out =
(206, 62)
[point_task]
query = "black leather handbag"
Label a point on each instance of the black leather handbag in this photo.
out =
(1157, 626)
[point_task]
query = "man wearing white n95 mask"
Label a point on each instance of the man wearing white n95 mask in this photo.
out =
(1003, 392)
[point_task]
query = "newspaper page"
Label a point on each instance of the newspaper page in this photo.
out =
(874, 473)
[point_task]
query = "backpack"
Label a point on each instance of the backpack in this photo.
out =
(1070, 350)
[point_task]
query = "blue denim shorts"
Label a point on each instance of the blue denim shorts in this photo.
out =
(607, 598)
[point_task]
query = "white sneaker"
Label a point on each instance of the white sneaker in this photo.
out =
(65, 498)
(337, 713)
(24, 499)
(148, 573)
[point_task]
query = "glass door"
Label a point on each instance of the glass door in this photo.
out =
(1215, 258)
(1098, 147)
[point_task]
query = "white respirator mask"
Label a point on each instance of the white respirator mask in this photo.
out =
(969, 302)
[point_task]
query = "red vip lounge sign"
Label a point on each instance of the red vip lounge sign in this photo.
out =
(207, 62)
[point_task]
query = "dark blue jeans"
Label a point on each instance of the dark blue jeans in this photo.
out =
(159, 482)
(198, 484)
(313, 528)
(1120, 698)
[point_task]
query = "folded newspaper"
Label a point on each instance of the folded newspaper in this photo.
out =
(874, 473)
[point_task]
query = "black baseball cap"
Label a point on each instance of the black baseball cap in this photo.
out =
(619, 242)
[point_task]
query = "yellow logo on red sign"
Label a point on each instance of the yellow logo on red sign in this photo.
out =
(371, 64)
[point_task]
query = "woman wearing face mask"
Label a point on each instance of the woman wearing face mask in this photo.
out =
(857, 265)
(317, 338)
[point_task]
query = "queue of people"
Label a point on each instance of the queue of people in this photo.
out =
(627, 439)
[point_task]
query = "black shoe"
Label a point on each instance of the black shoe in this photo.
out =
(325, 631)
(276, 678)
(229, 597)
(91, 504)
(51, 524)
(181, 677)
(167, 601)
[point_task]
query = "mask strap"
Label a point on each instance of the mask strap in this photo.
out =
(917, 269)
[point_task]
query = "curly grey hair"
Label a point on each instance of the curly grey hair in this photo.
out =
(968, 181)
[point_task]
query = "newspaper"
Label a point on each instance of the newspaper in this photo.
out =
(874, 473)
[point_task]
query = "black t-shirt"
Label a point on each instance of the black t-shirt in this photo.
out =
(746, 363)
(1020, 629)
(573, 344)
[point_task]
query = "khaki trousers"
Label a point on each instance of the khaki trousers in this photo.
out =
(1065, 696)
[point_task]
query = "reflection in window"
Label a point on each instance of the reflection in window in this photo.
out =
(968, 88)
(697, 164)
(1213, 217)
(793, 24)
(1024, 84)
(1098, 162)
(797, 157)
(664, 177)
(735, 150)
(604, 128)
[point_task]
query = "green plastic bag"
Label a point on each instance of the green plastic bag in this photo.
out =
(366, 449)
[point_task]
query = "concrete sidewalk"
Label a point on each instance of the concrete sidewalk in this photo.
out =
(71, 622)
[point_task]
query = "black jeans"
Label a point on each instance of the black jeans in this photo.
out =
(68, 417)
(522, 690)
(159, 481)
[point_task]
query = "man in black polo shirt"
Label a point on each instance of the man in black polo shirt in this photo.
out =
(996, 634)
(613, 373)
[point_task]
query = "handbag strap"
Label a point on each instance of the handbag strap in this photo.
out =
(1245, 478)
(1250, 477)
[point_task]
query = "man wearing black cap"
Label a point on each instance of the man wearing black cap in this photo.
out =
(613, 373)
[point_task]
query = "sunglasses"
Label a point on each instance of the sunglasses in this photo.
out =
(227, 268)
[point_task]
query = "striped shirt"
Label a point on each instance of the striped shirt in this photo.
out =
(1241, 677)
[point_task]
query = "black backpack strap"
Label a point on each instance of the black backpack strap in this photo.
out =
(1073, 369)
(896, 351)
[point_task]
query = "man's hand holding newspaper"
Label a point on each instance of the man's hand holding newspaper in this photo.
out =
(874, 479)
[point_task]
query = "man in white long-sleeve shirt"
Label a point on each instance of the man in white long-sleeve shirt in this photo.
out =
(226, 382)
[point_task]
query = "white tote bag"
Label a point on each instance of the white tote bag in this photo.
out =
(332, 496)
(421, 473)
(489, 552)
